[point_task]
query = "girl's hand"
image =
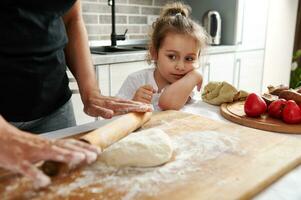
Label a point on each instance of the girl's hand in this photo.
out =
(97, 105)
(199, 85)
(20, 150)
(144, 94)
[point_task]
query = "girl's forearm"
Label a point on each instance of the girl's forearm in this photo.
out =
(176, 95)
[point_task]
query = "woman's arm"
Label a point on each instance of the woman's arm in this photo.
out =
(77, 52)
(176, 95)
(80, 64)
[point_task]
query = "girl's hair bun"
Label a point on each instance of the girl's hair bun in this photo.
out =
(174, 9)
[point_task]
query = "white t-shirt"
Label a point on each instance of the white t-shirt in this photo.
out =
(137, 79)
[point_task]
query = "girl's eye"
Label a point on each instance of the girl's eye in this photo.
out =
(172, 57)
(189, 59)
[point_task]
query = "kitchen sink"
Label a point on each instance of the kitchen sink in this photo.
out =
(104, 50)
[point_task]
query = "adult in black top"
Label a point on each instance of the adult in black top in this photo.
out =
(34, 50)
(38, 40)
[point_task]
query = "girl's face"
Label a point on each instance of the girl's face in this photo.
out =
(178, 54)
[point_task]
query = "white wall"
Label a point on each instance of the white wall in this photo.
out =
(279, 42)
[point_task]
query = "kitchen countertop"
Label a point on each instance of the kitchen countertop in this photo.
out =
(141, 55)
(287, 187)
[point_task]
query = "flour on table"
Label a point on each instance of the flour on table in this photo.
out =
(147, 148)
(191, 152)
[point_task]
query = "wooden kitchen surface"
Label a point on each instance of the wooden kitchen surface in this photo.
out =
(235, 113)
(212, 160)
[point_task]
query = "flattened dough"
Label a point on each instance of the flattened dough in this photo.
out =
(145, 148)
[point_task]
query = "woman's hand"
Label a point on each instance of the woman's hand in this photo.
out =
(19, 151)
(144, 94)
(97, 105)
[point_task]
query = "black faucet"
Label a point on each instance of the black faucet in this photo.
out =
(114, 36)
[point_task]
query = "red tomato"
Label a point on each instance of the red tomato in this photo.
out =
(275, 109)
(291, 113)
(254, 105)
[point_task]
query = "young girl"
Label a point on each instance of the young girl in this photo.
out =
(175, 47)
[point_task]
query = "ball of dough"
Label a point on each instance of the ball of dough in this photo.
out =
(145, 148)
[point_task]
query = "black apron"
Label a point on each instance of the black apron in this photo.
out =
(33, 79)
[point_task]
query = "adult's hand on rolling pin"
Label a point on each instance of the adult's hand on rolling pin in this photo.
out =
(96, 104)
(19, 151)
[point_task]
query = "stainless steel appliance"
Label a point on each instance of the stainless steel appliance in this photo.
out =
(212, 22)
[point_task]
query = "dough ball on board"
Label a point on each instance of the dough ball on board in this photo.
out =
(145, 148)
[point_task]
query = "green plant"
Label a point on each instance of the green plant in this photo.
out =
(295, 80)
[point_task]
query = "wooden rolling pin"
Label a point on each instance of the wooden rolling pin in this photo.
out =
(104, 137)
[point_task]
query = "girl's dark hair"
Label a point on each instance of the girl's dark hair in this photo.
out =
(174, 18)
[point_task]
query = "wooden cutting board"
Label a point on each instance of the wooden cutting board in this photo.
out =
(212, 160)
(235, 113)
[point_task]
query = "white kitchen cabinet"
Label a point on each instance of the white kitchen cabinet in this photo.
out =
(219, 67)
(249, 71)
(280, 42)
(252, 16)
(103, 77)
(119, 72)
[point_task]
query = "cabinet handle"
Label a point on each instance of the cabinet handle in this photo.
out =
(96, 73)
(75, 91)
(237, 72)
(206, 73)
(209, 66)
(110, 80)
(73, 80)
